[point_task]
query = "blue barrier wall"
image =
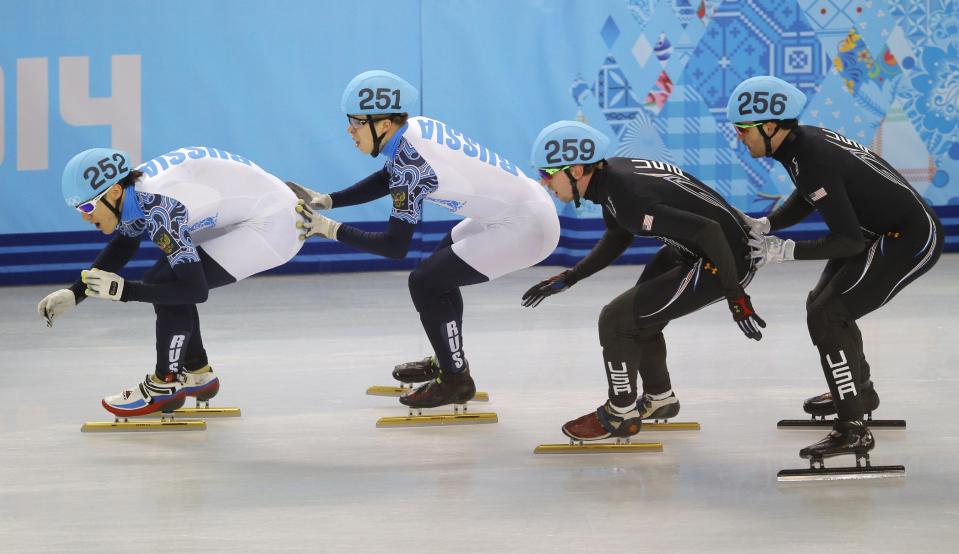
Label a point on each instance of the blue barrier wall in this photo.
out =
(265, 79)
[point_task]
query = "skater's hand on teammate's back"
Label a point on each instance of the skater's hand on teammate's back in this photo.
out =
(771, 249)
(744, 315)
(54, 304)
(102, 284)
(757, 227)
(547, 287)
(314, 223)
(314, 199)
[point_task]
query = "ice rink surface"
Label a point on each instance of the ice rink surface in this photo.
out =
(306, 470)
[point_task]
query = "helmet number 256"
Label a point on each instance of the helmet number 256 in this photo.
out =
(109, 170)
(761, 102)
(382, 96)
(572, 149)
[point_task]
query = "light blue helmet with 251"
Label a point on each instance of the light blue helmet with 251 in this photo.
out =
(764, 98)
(91, 172)
(379, 92)
(569, 143)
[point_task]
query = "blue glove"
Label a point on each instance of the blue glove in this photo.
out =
(548, 287)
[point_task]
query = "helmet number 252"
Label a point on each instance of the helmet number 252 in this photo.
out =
(571, 149)
(761, 101)
(106, 168)
(383, 96)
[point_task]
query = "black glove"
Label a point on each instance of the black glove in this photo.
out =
(745, 316)
(548, 287)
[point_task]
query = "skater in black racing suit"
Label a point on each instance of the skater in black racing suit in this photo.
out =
(705, 259)
(882, 236)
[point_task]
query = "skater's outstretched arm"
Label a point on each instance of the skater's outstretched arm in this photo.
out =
(375, 186)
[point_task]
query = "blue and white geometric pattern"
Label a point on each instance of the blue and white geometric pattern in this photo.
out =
(882, 72)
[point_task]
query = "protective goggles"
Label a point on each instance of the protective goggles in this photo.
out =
(741, 128)
(90, 205)
(548, 172)
(357, 122)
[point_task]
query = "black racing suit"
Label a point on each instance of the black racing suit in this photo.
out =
(705, 259)
(882, 236)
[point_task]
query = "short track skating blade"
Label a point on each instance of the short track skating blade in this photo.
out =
(378, 390)
(142, 425)
(598, 448)
(468, 418)
(208, 412)
(669, 426)
(818, 423)
(840, 473)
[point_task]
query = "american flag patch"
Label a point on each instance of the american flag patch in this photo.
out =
(818, 195)
(647, 222)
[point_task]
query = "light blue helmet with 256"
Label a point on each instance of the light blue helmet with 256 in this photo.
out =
(91, 172)
(569, 143)
(379, 92)
(764, 98)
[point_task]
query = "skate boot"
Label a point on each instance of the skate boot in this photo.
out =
(417, 372)
(658, 409)
(447, 388)
(201, 383)
(846, 437)
(822, 405)
(603, 423)
(152, 395)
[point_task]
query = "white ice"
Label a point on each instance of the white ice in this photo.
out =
(305, 469)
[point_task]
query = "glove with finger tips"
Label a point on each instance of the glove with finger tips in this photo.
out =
(771, 248)
(547, 287)
(55, 304)
(102, 284)
(314, 223)
(314, 199)
(745, 316)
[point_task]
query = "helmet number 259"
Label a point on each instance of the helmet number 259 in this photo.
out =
(761, 102)
(572, 149)
(382, 96)
(109, 170)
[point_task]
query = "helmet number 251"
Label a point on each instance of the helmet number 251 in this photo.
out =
(572, 149)
(761, 102)
(382, 96)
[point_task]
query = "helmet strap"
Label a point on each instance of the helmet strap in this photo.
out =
(572, 182)
(377, 140)
(113, 208)
(767, 139)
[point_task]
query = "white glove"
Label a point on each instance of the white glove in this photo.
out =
(56, 303)
(771, 248)
(102, 284)
(314, 223)
(315, 200)
(757, 227)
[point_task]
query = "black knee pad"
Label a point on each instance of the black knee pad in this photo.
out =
(825, 317)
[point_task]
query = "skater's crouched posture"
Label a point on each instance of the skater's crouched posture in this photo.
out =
(216, 217)
(705, 259)
(509, 223)
(882, 236)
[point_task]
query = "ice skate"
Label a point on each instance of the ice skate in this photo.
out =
(821, 406)
(448, 388)
(847, 437)
(152, 396)
(410, 373)
(656, 414)
(603, 423)
(203, 385)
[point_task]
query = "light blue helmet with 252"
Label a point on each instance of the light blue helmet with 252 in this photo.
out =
(764, 98)
(379, 92)
(91, 172)
(569, 143)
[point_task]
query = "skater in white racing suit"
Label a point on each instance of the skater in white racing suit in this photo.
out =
(510, 223)
(216, 217)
